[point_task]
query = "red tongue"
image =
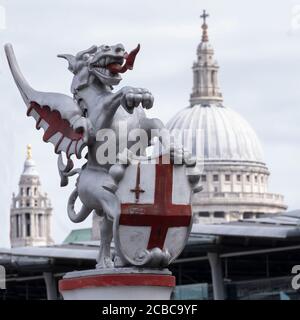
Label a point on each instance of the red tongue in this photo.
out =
(116, 68)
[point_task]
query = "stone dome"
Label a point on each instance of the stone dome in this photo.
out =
(218, 133)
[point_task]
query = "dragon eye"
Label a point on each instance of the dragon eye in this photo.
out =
(85, 57)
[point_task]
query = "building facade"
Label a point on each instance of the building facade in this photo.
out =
(30, 214)
(235, 176)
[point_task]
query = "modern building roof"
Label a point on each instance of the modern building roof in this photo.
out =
(282, 227)
(278, 226)
(79, 235)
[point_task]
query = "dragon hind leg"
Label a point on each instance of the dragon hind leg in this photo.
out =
(106, 233)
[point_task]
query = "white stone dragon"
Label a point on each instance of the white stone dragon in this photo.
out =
(71, 124)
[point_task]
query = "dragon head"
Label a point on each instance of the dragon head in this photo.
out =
(104, 63)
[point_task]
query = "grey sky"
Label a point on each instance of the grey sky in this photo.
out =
(256, 43)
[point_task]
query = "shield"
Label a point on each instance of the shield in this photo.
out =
(156, 214)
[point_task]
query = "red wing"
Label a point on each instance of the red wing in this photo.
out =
(58, 131)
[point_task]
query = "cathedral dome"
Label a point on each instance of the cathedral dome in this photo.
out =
(218, 133)
(233, 175)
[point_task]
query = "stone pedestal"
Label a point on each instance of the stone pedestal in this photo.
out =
(117, 284)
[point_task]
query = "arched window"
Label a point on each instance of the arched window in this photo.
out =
(27, 191)
(35, 191)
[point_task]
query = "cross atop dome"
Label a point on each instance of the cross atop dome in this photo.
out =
(204, 15)
(204, 27)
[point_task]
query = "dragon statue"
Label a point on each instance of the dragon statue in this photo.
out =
(72, 123)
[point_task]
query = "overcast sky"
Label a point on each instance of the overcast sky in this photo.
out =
(256, 44)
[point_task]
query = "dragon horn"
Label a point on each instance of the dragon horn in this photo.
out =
(71, 60)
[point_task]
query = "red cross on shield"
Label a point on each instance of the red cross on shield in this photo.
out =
(155, 209)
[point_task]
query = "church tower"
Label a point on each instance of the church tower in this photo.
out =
(31, 210)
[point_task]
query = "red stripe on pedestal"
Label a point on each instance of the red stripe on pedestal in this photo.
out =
(108, 280)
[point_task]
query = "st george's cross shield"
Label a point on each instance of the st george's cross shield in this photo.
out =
(156, 214)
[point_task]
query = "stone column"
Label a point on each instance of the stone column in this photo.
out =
(50, 286)
(217, 275)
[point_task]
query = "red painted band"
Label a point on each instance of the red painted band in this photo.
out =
(117, 280)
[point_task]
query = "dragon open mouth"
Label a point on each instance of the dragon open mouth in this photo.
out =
(111, 65)
(130, 58)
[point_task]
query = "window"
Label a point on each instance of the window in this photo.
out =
(213, 77)
(262, 179)
(247, 215)
(27, 224)
(215, 178)
(227, 177)
(40, 224)
(35, 191)
(27, 204)
(248, 177)
(28, 191)
(203, 178)
(22, 191)
(255, 179)
(35, 203)
(18, 226)
(238, 177)
(219, 214)
(204, 214)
